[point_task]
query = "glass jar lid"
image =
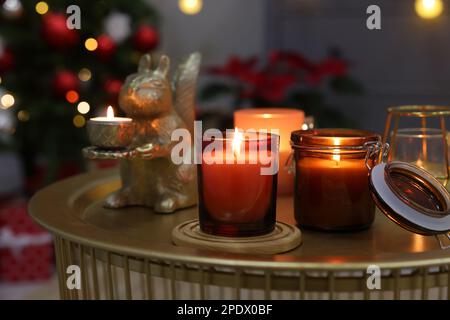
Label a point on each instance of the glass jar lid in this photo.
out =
(411, 197)
(336, 138)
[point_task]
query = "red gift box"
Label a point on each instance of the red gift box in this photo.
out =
(26, 249)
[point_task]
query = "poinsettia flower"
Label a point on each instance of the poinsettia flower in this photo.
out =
(334, 67)
(283, 70)
(314, 78)
(292, 60)
(329, 67)
(236, 68)
(269, 87)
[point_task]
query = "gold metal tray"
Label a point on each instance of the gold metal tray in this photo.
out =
(138, 240)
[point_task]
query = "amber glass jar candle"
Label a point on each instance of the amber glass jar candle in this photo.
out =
(237, 187)
(332, 178)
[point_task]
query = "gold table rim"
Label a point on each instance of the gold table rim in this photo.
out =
(96, 239)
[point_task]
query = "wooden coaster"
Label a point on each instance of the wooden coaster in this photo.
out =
(283, 238)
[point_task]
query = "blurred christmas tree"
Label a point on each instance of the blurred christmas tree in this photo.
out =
(53, 77)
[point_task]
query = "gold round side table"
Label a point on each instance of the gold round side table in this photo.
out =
(128, 254)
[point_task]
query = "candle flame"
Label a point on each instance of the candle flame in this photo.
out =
(236, 145)
(110, 113)
(336, 141)
(336, 157)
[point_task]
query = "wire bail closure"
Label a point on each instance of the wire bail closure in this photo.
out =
(376, 149)
(289, 164)
(444, 240)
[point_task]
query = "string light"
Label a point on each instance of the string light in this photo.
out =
(41, 7)
(7, 101)
(429, 9)
(23, 115)
(85, 74)
(72, 96)
(79, 121)
(83, 107)
(190, 7)
(91, 44)
(12, 6)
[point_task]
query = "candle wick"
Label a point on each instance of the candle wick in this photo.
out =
(337, 159)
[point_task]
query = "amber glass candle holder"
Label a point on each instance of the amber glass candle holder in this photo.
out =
(237, 184)
(332, 178)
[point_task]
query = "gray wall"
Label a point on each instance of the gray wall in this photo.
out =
(407, 62)
(222, 28)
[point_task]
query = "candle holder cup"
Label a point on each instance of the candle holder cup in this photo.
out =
(237, 198)
(425, 146)
(110, 135)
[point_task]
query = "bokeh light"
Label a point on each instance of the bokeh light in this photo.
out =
(72, 96)
(7, 101)
(83, 107)
(23, 115)
(429, 9)
(85, 74)
(42, 7)
(190, 6)
(79, 121)
(91, 44)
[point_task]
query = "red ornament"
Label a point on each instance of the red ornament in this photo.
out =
(106, 47)
(112, 88)
(6, 60)
(56, 33)
(146, 38)
(64, 81)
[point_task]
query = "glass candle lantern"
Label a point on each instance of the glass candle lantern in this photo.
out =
(237, 183)
(331, 181)
(423, 144)
(423, 147)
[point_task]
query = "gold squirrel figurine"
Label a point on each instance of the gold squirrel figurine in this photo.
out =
(157, 107)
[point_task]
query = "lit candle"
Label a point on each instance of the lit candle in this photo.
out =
(332, 186)
(235, 198)
(110, 132)
(284, 120)
(110, 117)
